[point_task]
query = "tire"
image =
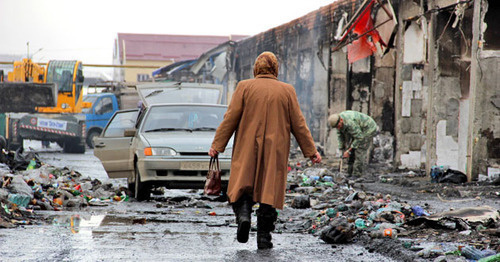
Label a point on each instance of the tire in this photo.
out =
(15, 146)
(73, 146)
(141, 189)
(130, 186)
(90, 137)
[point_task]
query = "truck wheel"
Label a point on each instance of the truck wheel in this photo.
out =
(79, 148)
(142, 191)
(71, 146)
(90, 138)
(14, 146)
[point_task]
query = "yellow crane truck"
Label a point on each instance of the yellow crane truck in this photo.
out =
(44, 102)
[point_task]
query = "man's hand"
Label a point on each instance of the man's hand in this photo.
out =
(347, 153)
(316, 158)
(212, 152)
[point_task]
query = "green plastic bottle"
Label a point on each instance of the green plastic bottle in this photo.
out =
(31, 165)
(494, 258)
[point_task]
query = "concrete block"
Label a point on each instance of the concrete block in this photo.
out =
(452, 127)
(339, 62)
(356, 106)
(411, 160)
(415, 142)
(452, 107)
(416, 107)
(446, 147)
(406, 72)
(361, 66)
(407, 95)
(355, 95)
(405, 125)
(388, 60)
(416, 125)
(379, 90)
(414, 45)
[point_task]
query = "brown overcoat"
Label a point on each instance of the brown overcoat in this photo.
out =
(263, 111)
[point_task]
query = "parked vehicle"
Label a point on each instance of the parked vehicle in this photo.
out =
(164, 144)
(111, 97)
(44, 103)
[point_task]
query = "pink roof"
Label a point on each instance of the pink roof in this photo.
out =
(167, 47)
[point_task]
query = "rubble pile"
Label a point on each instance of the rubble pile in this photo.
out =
(28, 185)
(326, 203)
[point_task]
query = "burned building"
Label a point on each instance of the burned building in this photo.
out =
(425, 70)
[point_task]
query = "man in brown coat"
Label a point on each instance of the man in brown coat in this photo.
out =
(263, 111)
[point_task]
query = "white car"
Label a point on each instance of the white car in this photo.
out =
(162, 144)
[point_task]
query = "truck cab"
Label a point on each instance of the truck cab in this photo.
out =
(104, 105)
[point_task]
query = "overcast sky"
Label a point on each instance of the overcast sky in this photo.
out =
(85, 30)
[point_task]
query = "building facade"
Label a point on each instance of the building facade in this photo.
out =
(140, 54)
(426, 71)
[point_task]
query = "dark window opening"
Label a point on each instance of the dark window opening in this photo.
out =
(492, 20)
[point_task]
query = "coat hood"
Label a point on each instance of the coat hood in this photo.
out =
(266, 63)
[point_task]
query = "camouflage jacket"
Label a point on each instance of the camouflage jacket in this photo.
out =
(357, 127)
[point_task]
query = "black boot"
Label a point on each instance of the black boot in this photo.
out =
(243, 210)
(266, 216)
(264, 240)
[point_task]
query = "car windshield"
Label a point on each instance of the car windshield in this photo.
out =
(90, 99)
(183, 118)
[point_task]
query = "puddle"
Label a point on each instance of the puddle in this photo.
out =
(78, 224)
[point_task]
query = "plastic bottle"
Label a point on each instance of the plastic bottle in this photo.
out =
(360, 223)
(388, 232)
(327, 179)
(31, 165)
(19, 199)
(471, 253)
(331, 212)
(494, 258)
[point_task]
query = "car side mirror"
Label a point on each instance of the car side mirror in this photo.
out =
(129, 132)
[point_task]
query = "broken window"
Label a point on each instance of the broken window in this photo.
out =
(492, 20)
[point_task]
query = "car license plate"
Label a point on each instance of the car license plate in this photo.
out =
(194, 165)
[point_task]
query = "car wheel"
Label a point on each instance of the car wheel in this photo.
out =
(141, 191)
(131, 186)
(90, 138)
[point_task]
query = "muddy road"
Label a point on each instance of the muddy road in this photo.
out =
(177, 225)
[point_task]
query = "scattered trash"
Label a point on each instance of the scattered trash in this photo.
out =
(301, 201)
(27, 184)
(493, 258)
(473, 253)
(419, 211)
(338, 232)
(388, 232)
(459, 219)
(443, 174)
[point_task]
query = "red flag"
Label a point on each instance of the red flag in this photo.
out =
(363, 47)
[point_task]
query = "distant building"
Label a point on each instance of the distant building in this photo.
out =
(158, 51)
